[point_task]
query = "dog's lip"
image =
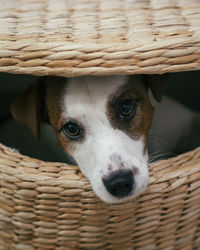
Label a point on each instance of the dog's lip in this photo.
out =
(114, 200)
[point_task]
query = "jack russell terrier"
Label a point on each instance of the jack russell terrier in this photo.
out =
(103, 122)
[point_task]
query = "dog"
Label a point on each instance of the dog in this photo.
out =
(103, 122)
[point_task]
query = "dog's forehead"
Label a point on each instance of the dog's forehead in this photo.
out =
(89, 86)
(84, 93)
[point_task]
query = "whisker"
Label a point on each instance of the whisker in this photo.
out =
(159, 155)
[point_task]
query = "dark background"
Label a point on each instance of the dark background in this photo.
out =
(184, 86)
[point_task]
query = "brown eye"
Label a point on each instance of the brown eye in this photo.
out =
(127, 109)
(72, 130)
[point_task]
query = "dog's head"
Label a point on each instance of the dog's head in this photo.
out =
(101, 121)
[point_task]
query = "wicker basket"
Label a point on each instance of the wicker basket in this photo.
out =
(51, 206)
(46, 205)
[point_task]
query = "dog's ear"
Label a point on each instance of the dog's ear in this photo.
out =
(156, 83)
(28, 107)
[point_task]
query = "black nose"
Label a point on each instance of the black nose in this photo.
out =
(120, 183)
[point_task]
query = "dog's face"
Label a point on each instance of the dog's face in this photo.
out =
(102, 122)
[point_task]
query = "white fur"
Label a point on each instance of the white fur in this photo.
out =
(85, 100)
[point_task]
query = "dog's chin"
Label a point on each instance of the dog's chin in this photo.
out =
(107, 198)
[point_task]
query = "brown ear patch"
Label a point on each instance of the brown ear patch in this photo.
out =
(156, 83)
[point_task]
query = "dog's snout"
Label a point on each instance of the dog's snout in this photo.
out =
(120, 183)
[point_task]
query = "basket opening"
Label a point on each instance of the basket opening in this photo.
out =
(177, 130)
(183, 87)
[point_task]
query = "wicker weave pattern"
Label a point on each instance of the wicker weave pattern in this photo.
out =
(70, 38)
(56, 208)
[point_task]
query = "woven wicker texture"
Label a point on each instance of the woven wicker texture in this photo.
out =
(51, 206)
(83, 37)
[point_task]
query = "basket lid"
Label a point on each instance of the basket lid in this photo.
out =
(72, 38)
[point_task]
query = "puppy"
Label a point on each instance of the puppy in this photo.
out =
(102, 122)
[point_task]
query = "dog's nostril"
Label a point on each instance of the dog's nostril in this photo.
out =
(119, 184)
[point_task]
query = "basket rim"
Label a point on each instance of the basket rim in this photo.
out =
(164, 174)
(40, 209)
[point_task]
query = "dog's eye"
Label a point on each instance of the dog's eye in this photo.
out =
(72, 130)
(127, 109)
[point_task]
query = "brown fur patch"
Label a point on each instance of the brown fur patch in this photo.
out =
(140, 124)
(55, 88)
